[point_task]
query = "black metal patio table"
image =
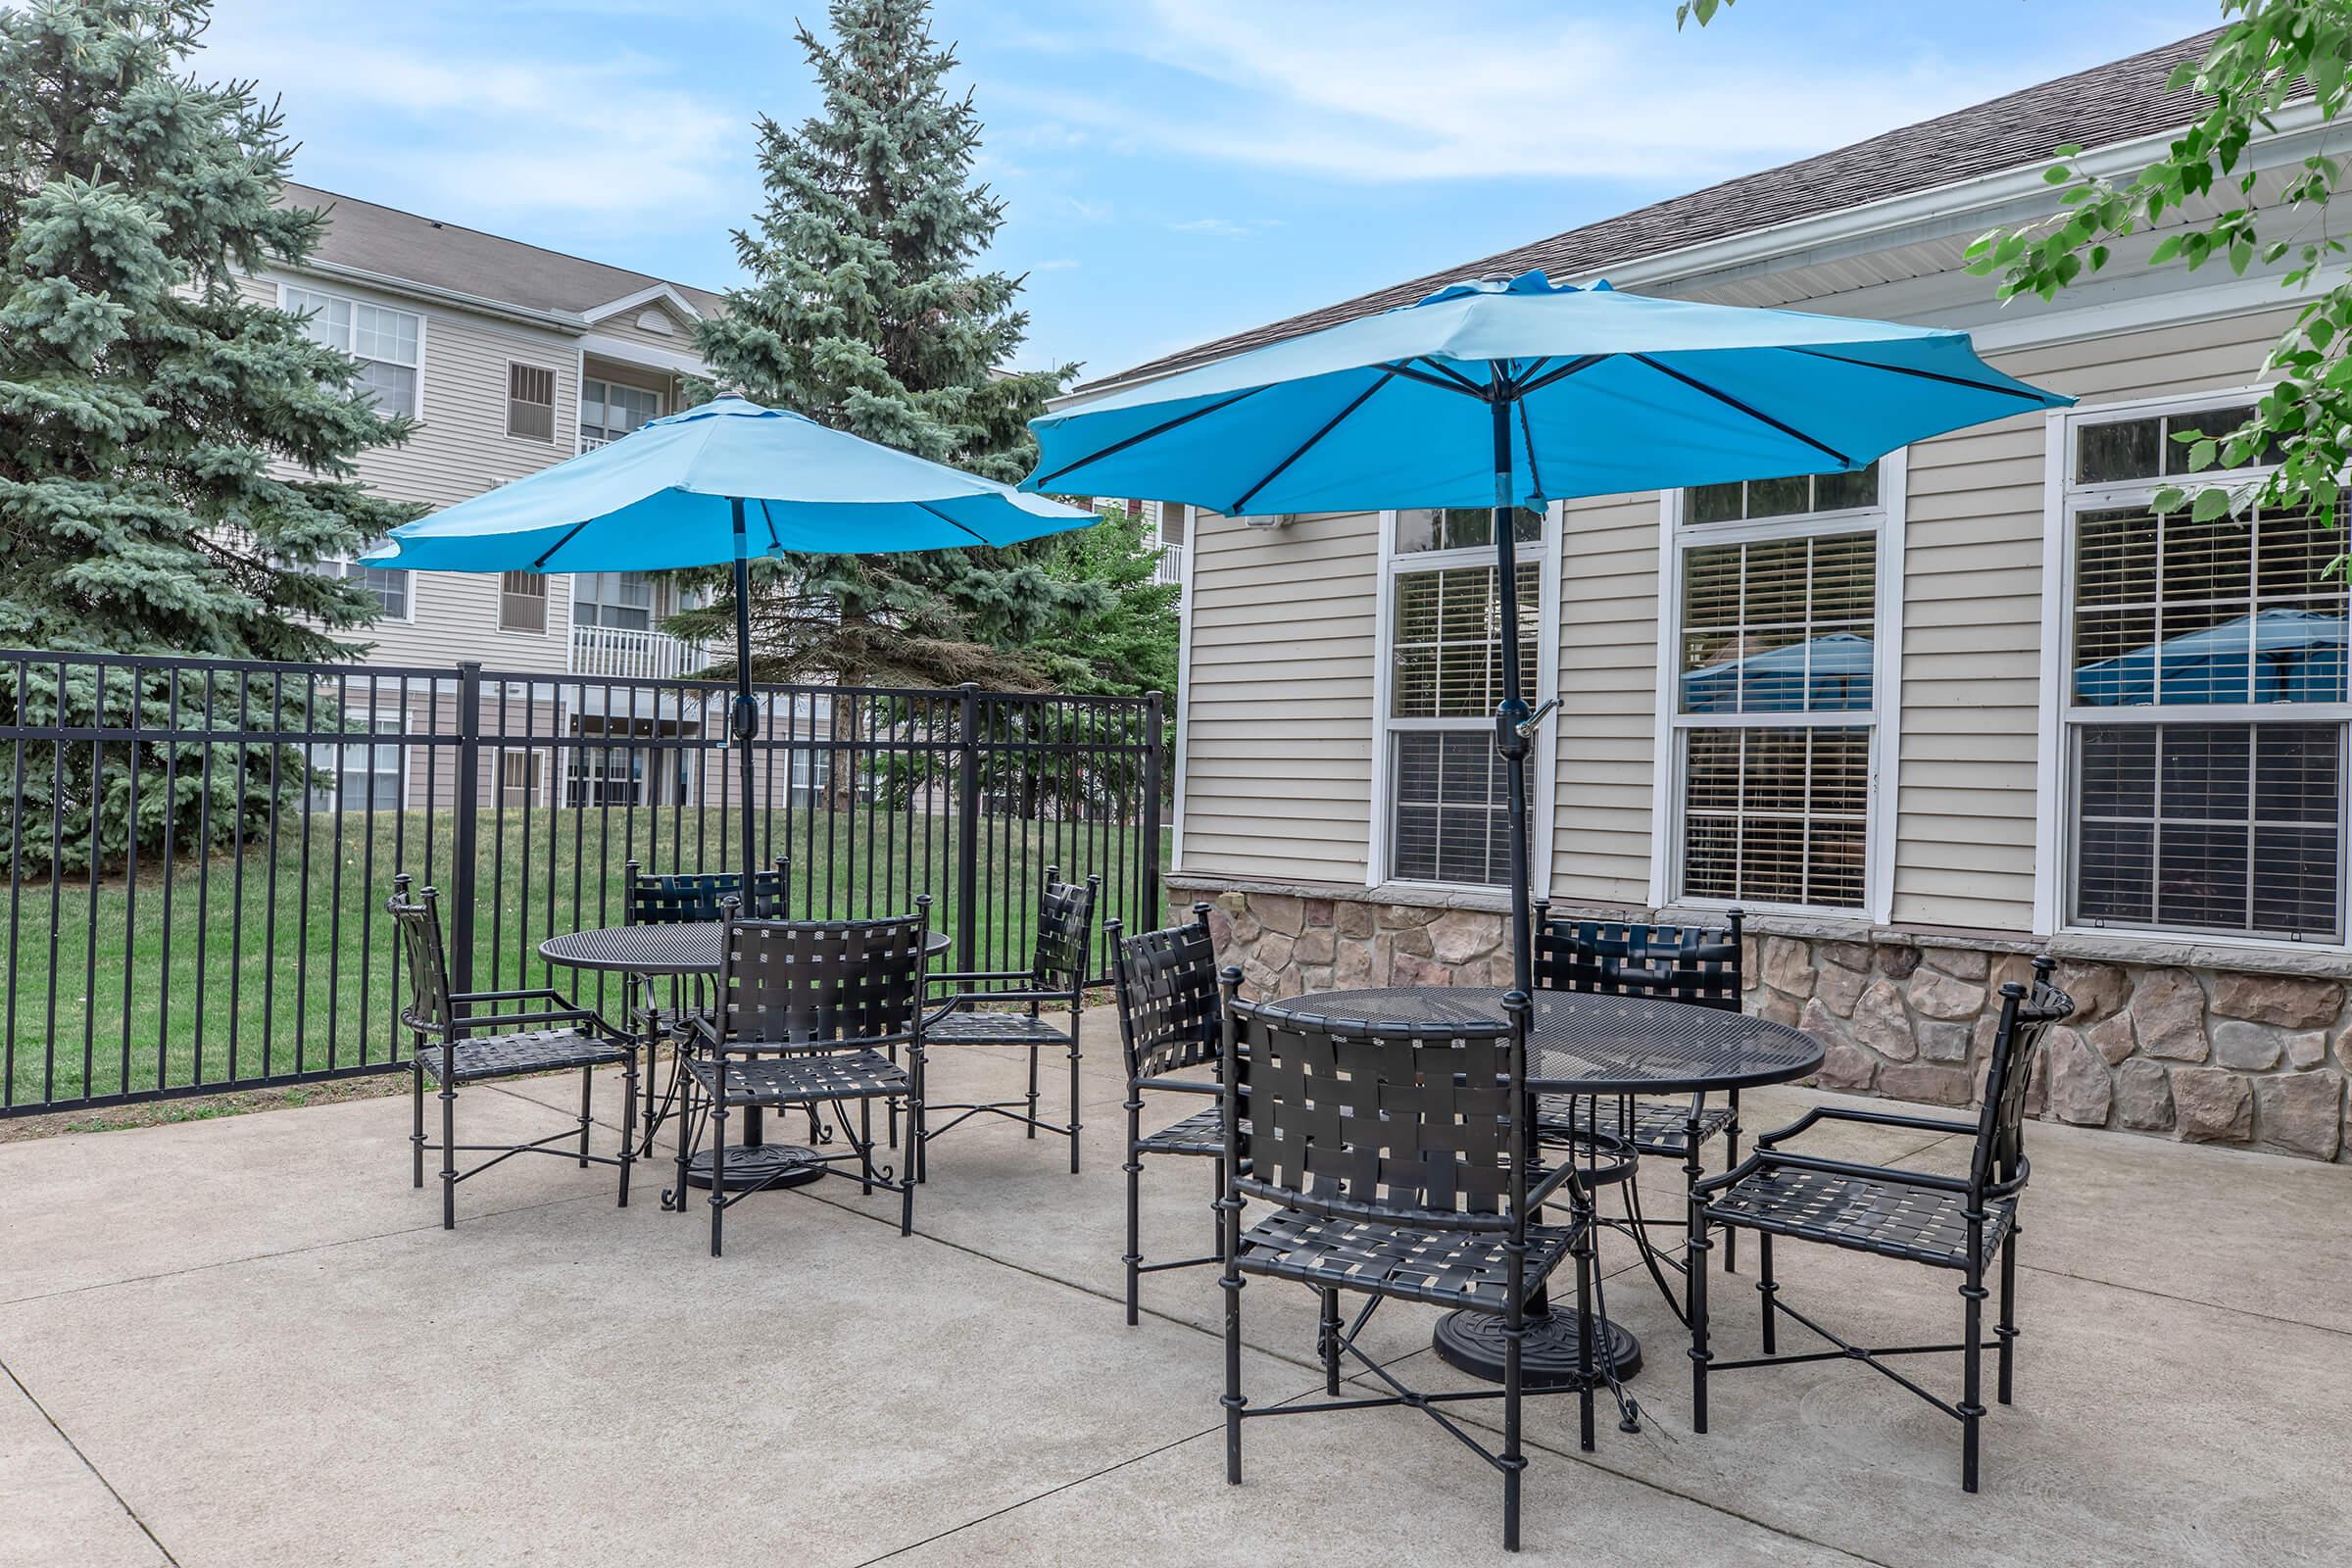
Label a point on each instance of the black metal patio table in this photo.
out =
(1582, 1045)
(683, 949)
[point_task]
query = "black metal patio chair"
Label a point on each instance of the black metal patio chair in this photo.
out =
(1402, 1166)
(452, 1045)
(692, 897)
(975, 1015)
(1696, 964)
(1169, 1023)
(1962, 1223)
(803, 1014)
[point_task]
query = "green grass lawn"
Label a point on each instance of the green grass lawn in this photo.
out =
(278, 961)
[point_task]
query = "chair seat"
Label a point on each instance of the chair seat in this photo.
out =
(971, 1028)
(530, 1051)
(1862, 1213)
(1201, 1132)
(1656, 1126)
(1448, 1268)
(822, 1075)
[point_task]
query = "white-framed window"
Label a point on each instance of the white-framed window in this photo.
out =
(522, 601)
(390, 344)
(2195, 759)
(519, 777)
(609, 410)
(389, 584)
(530, 402)
(623, 600)
(1443, 808)
(1778, 647)
(358, 774)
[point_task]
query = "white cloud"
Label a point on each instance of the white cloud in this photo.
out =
(1394, 91)
(433, 117)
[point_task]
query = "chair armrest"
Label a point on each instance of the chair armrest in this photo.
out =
(1181, 1085)
(1895, 1175)
(511, 1020)
(1874, 1119)
(531, 994)
(1561, 1175)
(957, 975)
(1012, 996)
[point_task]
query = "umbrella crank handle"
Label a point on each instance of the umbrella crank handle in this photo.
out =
(1528, 725)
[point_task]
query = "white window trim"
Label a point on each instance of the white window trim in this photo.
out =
(1184, 684)
(661, 395)
(548, 626)
(424, 326)
(555, 406)
(1882, 814)
(2053, 841)
(1540, 682)
(341, 558)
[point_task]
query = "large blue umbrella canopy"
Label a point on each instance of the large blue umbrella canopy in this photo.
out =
(1514, 392)
(726, 481)
(667, 495)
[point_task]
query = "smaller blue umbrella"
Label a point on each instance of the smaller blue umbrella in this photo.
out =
(723, 482)
(2279, 655)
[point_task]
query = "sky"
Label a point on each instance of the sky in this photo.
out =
(1173, 169)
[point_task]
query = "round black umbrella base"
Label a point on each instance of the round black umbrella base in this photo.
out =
(1472, 1341)
(770, 1165)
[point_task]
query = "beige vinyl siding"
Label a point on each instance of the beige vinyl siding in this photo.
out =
(1607, 682)
(1278, 781)
(622, 325)
(1972, 619)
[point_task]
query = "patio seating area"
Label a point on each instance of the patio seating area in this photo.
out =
(249, 1342)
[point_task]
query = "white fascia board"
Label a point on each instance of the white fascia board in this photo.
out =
(628, 351)
(557, 321)
(662, 292)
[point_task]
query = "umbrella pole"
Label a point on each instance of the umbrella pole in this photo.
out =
(744, 725)
(1510, 714)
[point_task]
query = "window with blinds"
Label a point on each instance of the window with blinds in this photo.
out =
(522, 601)
(530, 402)
(1447, 818)
(2204, 697)
(1776, 689)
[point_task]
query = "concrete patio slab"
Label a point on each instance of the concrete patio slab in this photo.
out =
(55, 1512)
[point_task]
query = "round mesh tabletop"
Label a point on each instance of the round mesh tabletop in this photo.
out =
(689, 948)
(1590, 1045)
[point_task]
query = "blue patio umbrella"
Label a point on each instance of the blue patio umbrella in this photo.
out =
(723, 482)
(1511, 392)
(1833, 671)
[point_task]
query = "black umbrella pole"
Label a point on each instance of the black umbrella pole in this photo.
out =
(1510, 714)
(744, 725)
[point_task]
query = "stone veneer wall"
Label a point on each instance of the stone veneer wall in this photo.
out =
(2201, 1054)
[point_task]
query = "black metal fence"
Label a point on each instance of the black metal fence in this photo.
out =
(199, 850)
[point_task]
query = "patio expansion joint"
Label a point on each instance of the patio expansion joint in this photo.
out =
(96, 1474)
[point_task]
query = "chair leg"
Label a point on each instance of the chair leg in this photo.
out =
(893, 1105)
(1327, 1341)
(918, 1146)
(449, 1155)
(1766, 1287)
(1514, 1331)
(1730, 1157)
(1032, 1129)
(628, 1120)
(1232, 1283)
(718, 1157)
(906, 1177)
(1587, 1333)
(1972, 1408)
(2005, 1330)
(865, 1146)
(1694, 1307)
(683, 1087)
(1074, 1123)
(587, 1089)
(1134, 1255)
(416, 1136)
(1217, 1247)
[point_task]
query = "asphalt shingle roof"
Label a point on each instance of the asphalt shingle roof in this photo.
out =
(467, 261)
(2120, 101)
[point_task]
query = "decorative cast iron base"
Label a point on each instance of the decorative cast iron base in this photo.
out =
(1472, 1342)
(759, 1166)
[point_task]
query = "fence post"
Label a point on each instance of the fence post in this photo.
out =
(1148, 918)
(967, 831)
(463, 851)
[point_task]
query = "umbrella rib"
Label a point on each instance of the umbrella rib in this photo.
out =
(1443, 379)
(2024, 394)
(568, 535)
(953, 523)
(1563, 372)
(1140, 437)
(1534, 475)
(769, 519)
(1729, 400)
(1309, 445)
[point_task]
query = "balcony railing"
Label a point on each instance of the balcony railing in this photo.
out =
(629, 655)
(1171, 567)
